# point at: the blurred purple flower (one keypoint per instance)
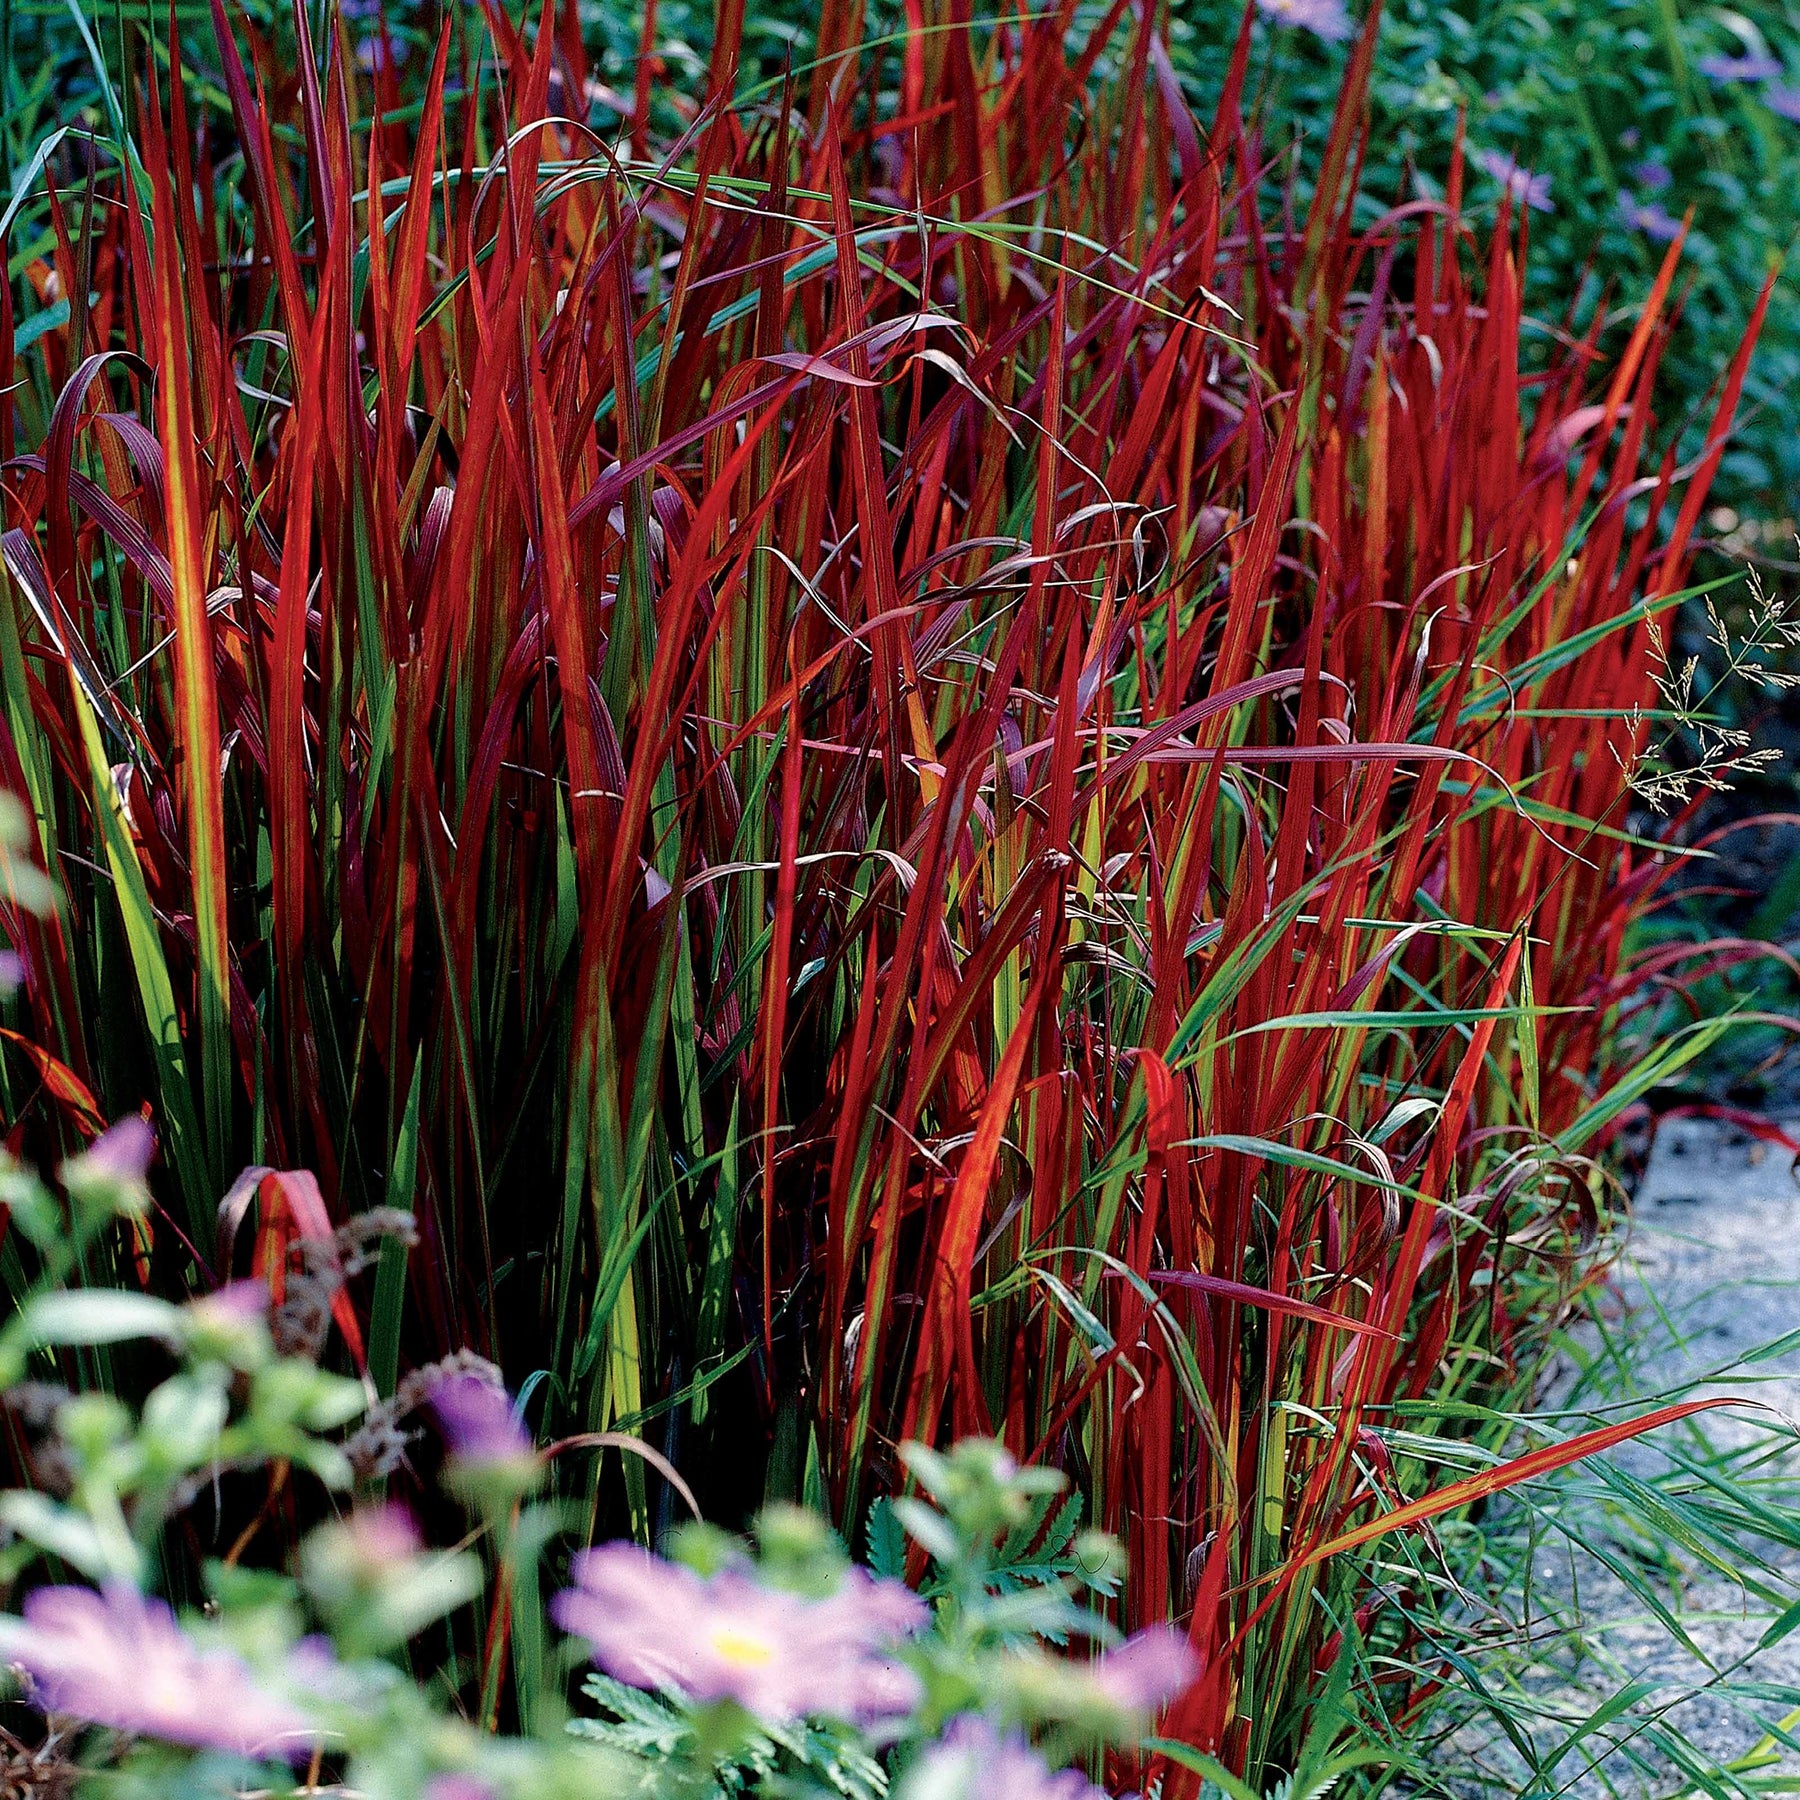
(383, 1536)
(12, 970)
(1739, 68)
(111, 1171)
(972, 1762)
(1651, 175)
(1325, 19)
(1649, 218)
(239, 1302)
(374, 53)
(458, 1787)
(1784, 102)
(480, 1425)
(1526, 188)
(118, 1659)
(120, 1153)
(1148, 1670)
(780, 1656)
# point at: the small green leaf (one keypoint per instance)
(886, 1541)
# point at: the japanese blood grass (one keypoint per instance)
(911, 767)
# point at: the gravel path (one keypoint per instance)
(1710, 1280)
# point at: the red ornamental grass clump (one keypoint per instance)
(927, 762)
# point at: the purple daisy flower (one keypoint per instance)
(1525, 188)
(1651, 175)
(118, 1659)
(971, 1761)
(1148, 1670)
(1739, 68)
(779, 1655)
(1325, 19)
(1784, 102)
(480, 1425)
(1649, 218)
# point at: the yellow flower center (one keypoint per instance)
(740, 1648)
(162, 1690)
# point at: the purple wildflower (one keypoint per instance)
(1148, 1670)
(12, 970)
(1649, 218)
(1651, 175)
(1784, 102)
(1525, 188)
(779, 1655)
(971, 1761)
(1325, 19)
(479, 1422)
(118, 1659)
(1739, 68)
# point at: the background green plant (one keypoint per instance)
(1587, 93)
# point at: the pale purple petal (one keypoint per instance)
(1327, 19)
(1148, 1670)
(120, 1660)
(866, 1607)
(1784, 102)
(1651, 175)
(240, 1302)
(973, 1762)
(779, 1655)
(1739, 68)
(458, 1787)
(382, 1536)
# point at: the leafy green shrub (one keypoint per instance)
(1630, 112)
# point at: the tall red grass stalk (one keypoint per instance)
(916, 768)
